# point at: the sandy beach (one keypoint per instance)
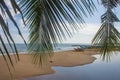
(25, 68)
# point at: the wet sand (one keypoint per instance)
(25, 68)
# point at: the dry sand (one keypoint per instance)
(25, 68)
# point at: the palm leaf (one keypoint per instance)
(111, 3)
(4, 57)
(12, 19)
(6, 51)
(4, 13)
(52, 21)
(8, 35)
(108, 38)
(16, 8)
(109, 15)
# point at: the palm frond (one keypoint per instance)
(6, 34)
(108, 37)
(4, 6)
(111, 3)
(4, 14)
(7, 63)
(109, 15)
(5, 29)
(16, 8)
(52, 21)
(6, 51)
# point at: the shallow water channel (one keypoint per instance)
(98, 70)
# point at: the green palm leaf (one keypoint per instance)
(111, 3)
(7, 63)
(4, 13)
(52, 21)
(109, 15)
(107, 37)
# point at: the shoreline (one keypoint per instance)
(25, 68)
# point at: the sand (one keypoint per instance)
(25, 68)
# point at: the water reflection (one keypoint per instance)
(97, 70)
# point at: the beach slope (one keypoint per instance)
(25, 68)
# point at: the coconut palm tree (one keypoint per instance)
(5, 32)
(108, 36)
(51, 21)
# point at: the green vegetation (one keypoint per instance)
(108, 37)
(51, 21)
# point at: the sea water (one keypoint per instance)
(58, 47)
(98, 70)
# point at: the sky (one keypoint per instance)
(83, 36)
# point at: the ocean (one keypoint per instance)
(59, 47)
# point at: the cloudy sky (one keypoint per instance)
(84, 35)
